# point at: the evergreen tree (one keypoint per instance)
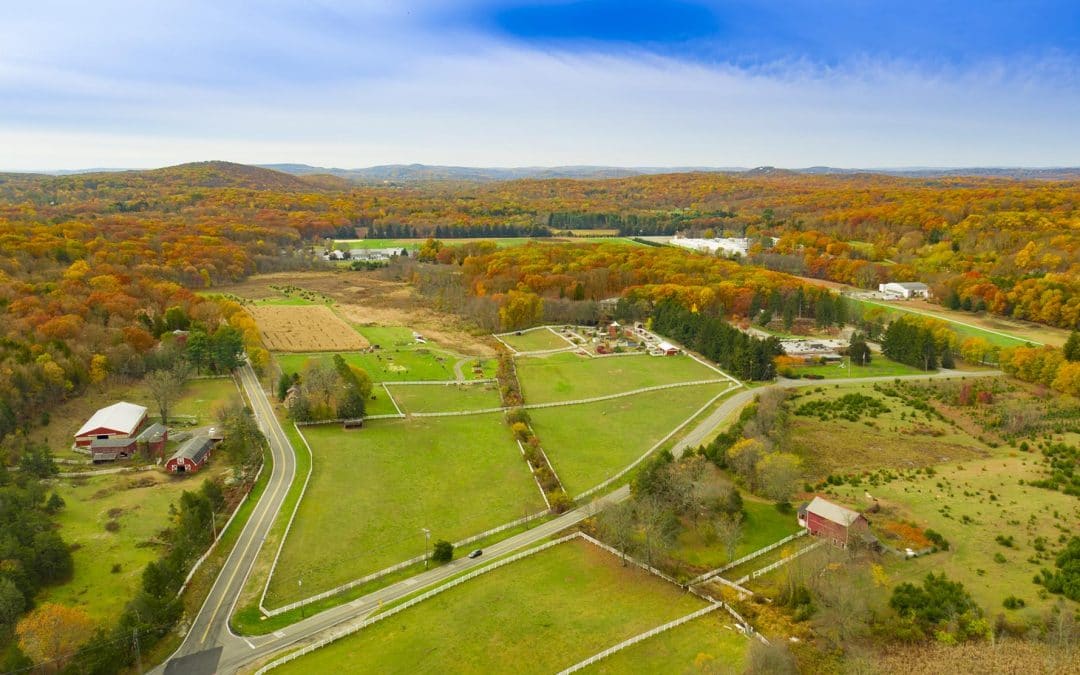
(1071, 350)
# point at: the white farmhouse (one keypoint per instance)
(905, 289)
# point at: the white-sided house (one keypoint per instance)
(905, 289)
(119, 420)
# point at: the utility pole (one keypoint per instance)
(427, 545)
(299, 588)
(213, 523)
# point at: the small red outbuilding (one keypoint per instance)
(837, 523)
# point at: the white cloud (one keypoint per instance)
(350, 87)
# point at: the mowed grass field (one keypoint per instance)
(879, 366)
(140, 503)
(902, 437)
(569, 377)
(537, 615)
(589, 442)
(450, 397)
(762, 525)
(372, 491)
(964, 327)
(535, 340)
(988, 493)
(384, 366)
(707, 644)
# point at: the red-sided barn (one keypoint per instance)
(191, 456)
(832, 521)
(119, 420)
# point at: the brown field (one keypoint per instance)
(365, 299)
(305, 328)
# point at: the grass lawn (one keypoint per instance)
(140, 503)
(202, 398)
(590, 442)
(568, 377)
(290, 301)
(535, 340)
(389, 337)
(705, 645)
(901, 437)
(541, 614)
(879, 366)
(762, 525)
(963, 327)
(373, 490)
(1023, 512)
(424, 398)
(385, 366)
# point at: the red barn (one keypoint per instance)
(119, 420)
(191, 456)
(825, 519)
(152, 439)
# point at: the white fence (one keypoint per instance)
(783, 561)
(349, 630)
(746, 558)
(639, 638)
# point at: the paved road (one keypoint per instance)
(210, 629)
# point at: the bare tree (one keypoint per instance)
(729, 531)
(166, 385)
(659, 525)
(617, 525)
(778, 472)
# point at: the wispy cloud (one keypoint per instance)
(352, 84)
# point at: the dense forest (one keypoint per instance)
(90, 264)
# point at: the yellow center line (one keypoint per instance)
(274, 432)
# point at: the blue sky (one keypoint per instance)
(495, 83)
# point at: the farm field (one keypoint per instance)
(965, 326)
(427, 398)
(535, 340)
(396, 366)
(501, 242)
(707, 644)
(569, 377)
(879, 366)
(897, 437)
(304, 328)
(139, 502)
(989, 495)
(542, 613)
(589, 442)
(372, 491)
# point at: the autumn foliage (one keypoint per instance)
(52, 633)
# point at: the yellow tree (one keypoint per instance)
(52, 633)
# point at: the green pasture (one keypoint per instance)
(541, 614)
(535, 340)
(373, 490)
(708, 644)
(589, 442)
(450, 397)
(879, 366)
(569, 377)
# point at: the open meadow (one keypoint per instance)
(373, 490)
(569, 377)
(304, 328)
(879, 366)
(109, 564)
(853, 428)
(973, 504)
(541, 614)
(589, 442)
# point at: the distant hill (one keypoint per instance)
(214, 174)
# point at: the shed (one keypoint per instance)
(119, 420)
(837, 523)
(905, 289)
(191, 456)
(667, 348)
(152, 439)
(355, 423)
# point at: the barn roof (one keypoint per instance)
(910, 285)
(111, 443)
(833, 512)
(122, 417)
(194, 448)
(152, 434)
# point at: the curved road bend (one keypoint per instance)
(230, 652)
(209, 630)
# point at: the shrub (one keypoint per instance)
(442, 552)
(116, 568)
(112, 526)
(1013, 602)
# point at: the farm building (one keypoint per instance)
(119, 420)
(905, 289)
(667, 349)
(111, 449)
(191, 456)
(825, 519)
(152, 439)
